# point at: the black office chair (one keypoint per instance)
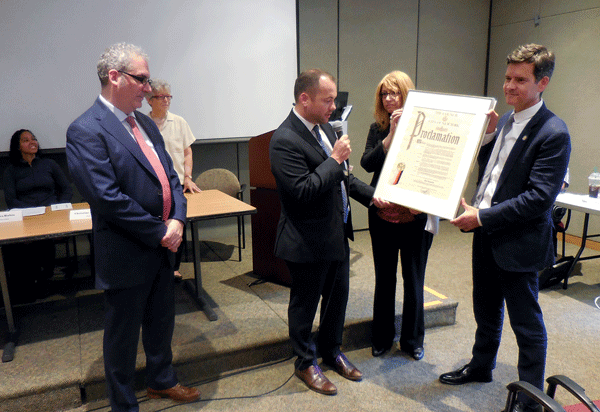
(70, 263)
(549, 404)
(558, 272)
(575, 390)
(547, 399)
(558, 213)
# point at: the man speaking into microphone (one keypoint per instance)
(310, 168)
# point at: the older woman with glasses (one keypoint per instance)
(178, 139)
(394, 230)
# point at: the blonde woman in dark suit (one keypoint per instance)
(394, 230)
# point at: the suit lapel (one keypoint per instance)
(109, 122)
(523, 141)
(307, 135)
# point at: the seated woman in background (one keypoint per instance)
(395, 229)
(178, 139)
(31, 181)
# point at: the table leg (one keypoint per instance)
(9, 349)
(196, 290)
(580, 251)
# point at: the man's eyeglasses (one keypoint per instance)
(162, 97)
(142, 79)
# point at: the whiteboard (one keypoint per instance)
(231, 63)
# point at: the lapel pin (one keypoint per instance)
(524, 137)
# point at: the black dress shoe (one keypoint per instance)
(375, 351)
(418, 353)
(465, 374)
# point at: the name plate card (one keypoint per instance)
(80, 214)
(11, 216)
(61, 206)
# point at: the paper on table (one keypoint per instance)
(31, 211)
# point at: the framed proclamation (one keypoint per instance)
(433, 151)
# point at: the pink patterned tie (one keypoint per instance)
(156, 165)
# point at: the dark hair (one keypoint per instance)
(308, 82)
(14, 154)
(541, 58)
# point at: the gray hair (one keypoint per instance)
(117, 57)
(158, 84)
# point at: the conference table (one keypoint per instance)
(208, 204)
(588, 206)
(49, 225)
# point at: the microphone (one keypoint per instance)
(338, 128)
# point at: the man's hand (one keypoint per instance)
(493, 121)
(341, 150)
(172, 239)
(468, 220)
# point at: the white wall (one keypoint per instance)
(439, 43)
(231, 64)
(572, 30)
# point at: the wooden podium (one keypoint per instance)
(263, 196)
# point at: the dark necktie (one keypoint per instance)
(485, 180)
(328, 151)
(156, 165)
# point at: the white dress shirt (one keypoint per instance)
(521, 119)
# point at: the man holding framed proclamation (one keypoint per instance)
(521, 170)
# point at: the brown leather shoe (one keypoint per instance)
(178, 393)
(315, 380)
(345, 368)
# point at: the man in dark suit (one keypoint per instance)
(311, 171)
(118, 161)
(520, 174)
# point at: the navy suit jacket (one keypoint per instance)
(518, 222)
(125, 196)
(311, 226)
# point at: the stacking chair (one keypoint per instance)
(226, 182)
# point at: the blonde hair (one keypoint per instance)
(395, 81)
